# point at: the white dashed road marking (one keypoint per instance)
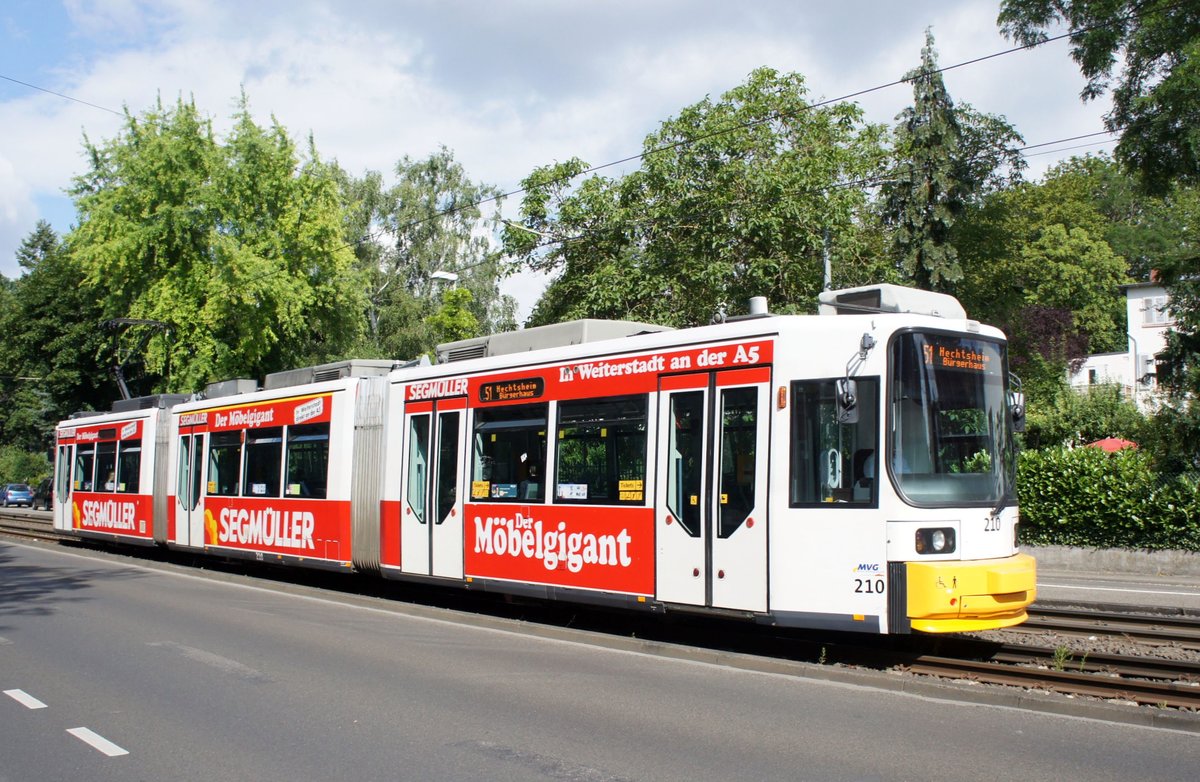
(25, 699)
(97, 741)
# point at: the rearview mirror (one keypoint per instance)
(847, 401)
(1016, 405)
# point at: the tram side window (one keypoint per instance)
(307, 460)
(833, 462)
(263, 455)
(129, 466)
(106, 467)
(509, 454)
(85, 462)
(224, 464)
(739, 453)
(602, 452)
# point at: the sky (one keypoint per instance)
(506, 85)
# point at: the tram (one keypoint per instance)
(852, 470)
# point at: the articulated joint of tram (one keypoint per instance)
(963, 596)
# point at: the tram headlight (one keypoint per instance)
(938, 540)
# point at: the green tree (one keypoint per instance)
(19, 466)
(237, 245)
(946, 156)
(734, 198)
(1179, 272)
(434, 220)
(1143, 229)
(1036, 264)
(454, 320)
(1156, 96)
(1156, 109)
(52, 344)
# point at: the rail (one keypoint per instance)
(1105, 685)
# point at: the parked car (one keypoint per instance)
(43, 495)
(17, 494)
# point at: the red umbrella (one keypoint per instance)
(1112, 444)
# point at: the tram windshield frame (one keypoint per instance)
(950, 437)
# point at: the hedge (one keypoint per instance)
(1088, 497)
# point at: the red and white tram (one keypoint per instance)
(851, 472)
(107, 469)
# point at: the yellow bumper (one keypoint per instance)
(981, 594)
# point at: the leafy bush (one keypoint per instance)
(1074, 417)
(1172, 434)
(1087, 497)
(19, 466)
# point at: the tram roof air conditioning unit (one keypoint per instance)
(240, 385)
(874, 299)
(574, 332)
(359, 367)
(161, 401)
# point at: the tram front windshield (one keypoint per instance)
(949, 438)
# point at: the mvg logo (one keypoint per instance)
(866, 569)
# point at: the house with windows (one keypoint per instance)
(1134, 370)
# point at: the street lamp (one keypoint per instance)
(449, 277)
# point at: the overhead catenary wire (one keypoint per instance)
(62, 95)
(773, 116)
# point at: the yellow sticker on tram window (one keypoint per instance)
(631, 496)
(724, 499)
(603, 431)
(480, 489)
(212, 487)
(693, 499)
(630, 485)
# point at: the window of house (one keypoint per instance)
(1154, 309)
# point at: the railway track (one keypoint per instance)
(27, 524)
(1141, 678)
(1107, 686)
(1180, 629)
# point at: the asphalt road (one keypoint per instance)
(1120, 589)
(149, 672)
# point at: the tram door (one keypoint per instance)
(431, 517)
(189, 489)
(64, 517)
(711, 492)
